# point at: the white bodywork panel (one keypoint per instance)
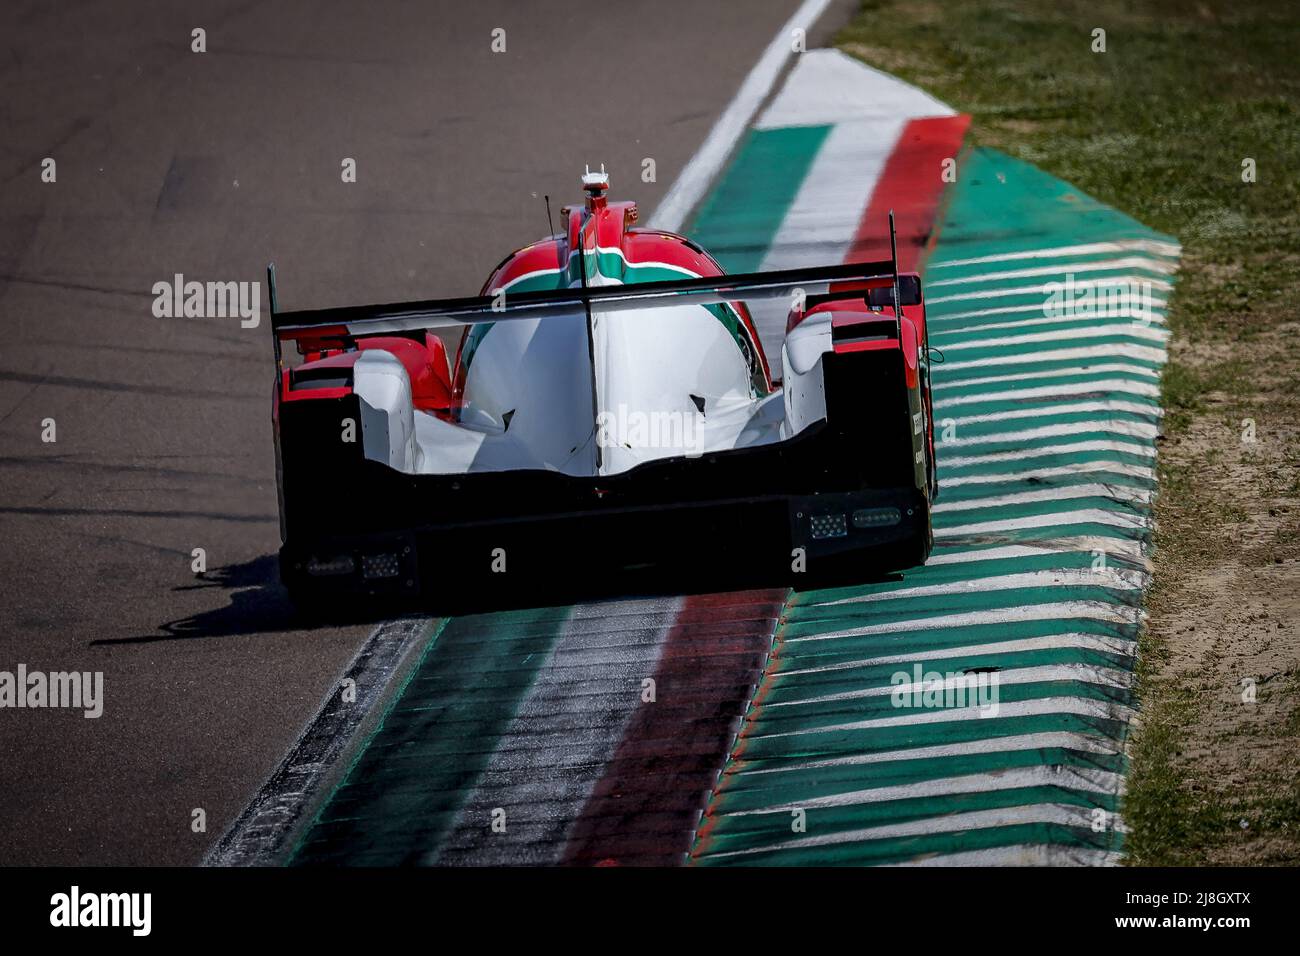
(668, 382)
(801, 357)
(387, 426)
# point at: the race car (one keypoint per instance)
(605, 401)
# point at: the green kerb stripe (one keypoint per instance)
(740, 217)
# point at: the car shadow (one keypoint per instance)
(258, 603)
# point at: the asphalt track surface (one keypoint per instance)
(210, 165)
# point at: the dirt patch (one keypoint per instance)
(1225, 607)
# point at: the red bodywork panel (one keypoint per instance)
(425, 364)
(850, 312)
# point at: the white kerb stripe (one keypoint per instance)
(824, 216)
(1102, 611)
(1136, 496)
(827, 87)
(1062, 269)
(1123, 647)
(940, 318)
(1043, 813)
(1077, 706)
(961, 334)
(1113, 519)
(1142, 353)
(1134, 328)
(1145, 472)
(1113, 426)
(1112, 406)
(988, 745)
(1101, 386)
(1075, 544)
(961, 683)
(1120, 578)
(1086, 249)
(1067, 448)
(1073, 778)
(1022, 854)
(1105, 283)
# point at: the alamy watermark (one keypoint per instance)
(1099, 299)
(632, 428)
(133, 911)
(179, 299)
(82, 690)
(932, 689)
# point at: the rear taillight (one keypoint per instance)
(876, 517)
(331, 567)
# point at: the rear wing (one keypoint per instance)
(877, 282)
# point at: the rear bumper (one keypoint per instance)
(491, 530)
(768, 538)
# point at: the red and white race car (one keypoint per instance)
(605, 399)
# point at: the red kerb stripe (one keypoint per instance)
(912, 185)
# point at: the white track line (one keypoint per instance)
(700, 172)
(261, 835)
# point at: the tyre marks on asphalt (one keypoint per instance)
(551, 754)
(409, 781)
(652, 789)
(260, 835)
(533, 737)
